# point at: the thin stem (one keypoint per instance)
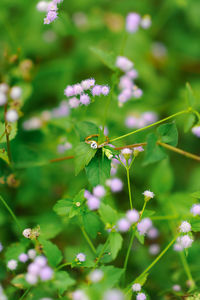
(129, 187)
(187, 269)
(155, 260)
(177, 150)
(11, 212)
(151, 125)
(25, 293)
(7, 134)
(88, 240)
(62, 266)
(2, 135)
(101, 253)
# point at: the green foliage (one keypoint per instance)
(92, 224)
(108, 59)
(52, 252)
(154, 152)
(98, 170)
(190, 95)
(115, 242)
(4, 156)
(168, 134)
(108, 214)
(83, 155)
(63, 281)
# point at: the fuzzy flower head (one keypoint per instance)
(69, 91)
(105, 90)
(144, 225)
(79, 295)
(154, 249)
(136, 287)
(3, 98)
(12, 264)
(113, 294)
(15, 92)
(195, 210)
(176, 288)
(185, 227)
(81, 257)
(137, 150)
(141, 296)
(123, 225)
(148, 195)
(96, 275)
(23, 257)
(132, 216)
(31, 253)
(74, 102)
(46, 273)
(27, 233)
(196, 131)
(96, 90)
(1, 247)
(153, 233)
(42, 6)
(145, 22)
(93, 203)
(124, 64)
(132, 22)
(116, 185)
(31, 278)
(126, 152)
(99, 191)
(186, 241)
(12, 115)
(85, 99)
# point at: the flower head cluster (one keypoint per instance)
(93, 199)
(126, 84)
(148, 195)
(115, 184)
(185, 240)
(136, 287)
(195, 210)
(134, 20)
(80, 93)
(12, 96)
(81, 257)
(140, 120)
(38, 270)
(144, 226)
(196, 130)
(50, 8)
(132, 216)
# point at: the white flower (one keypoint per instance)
(42, 6)
(79, 295)
(186, 241)
(141, 296)
(136, 287)
(132, 216)
(81, 257)
(176, 288)
(3, 98)
(31, 278)
(15, 92)
(195, 210)
(27, 233)
(185, 227)
(96, 275)
(31, 253)
(12, 264)
(148, 194)
(12, 115)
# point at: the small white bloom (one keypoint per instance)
(148, 194)
(176, 288)
(3, 98)
(31, 278)
(96, 275)
(141, 296)
(113, 294)
(27, 233)
(12, 264)
(186, 241)
(132, 216)
(42, 6)
(4, 88)
(15, 92)
(154, 249)
(12, 115)
(79, 295)
(185, 227)
(195, 210)
(81, 257)
(31, 253)
(136, 287)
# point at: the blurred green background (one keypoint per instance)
(47, 58)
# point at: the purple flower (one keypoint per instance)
(105, 90)
(132, 22)
(144, 225)
(123, 225)
(132, 216)
(1, 247)
(78, 89)
(31, 278)
(96, 90)
(93, 203)
(81, 257)
(153, 233)
(33, 269)
(85, 99)
(125, 82)
(124, 64)
(46, 273)
(196, 131)
(133, 74)
(74, 102)
(137, 93)
(41, 261)
(23, 257)
(51, 16)
(69, 91)
(154, 249)
(99, 191)
(116, 185)
(195, 210)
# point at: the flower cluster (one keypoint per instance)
(81, 257)
(11, 96)
(132, 216)
(23, 257)
(115, 184)
(38, 270)
(126, 84)
(136, 287)
(195, 210)
(141, 120)
(134, 20)
(185, 240)
(50, 8)
(93, 199)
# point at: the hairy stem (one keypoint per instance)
(88, 240)
(151, 125)
(101, 253)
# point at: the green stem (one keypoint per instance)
(155, 261)
(88, 240)
(101, 253)
(11, 212)
(187, 269)
(7, 134)
(124, 40)
(25, 293)
(129, 187)
(151, 125)
(62, 266)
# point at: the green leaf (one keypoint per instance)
(92, 224)
(4, 156)
(14, 250)
(148, 213)
(63, 207)
(112, 276)
(85, 129)
(62, 281)
(190, 95)
(98, 170)
(189, 122)
(20, 282)
(142, 279)
(196, 195)
(168, 134)
(140, 237)
(115, 242)
(12, 134)
(108, 214)
(195, 225)
(106, 58)
(83, 155)
(52, 252)
(162, 178)
(153, 151)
